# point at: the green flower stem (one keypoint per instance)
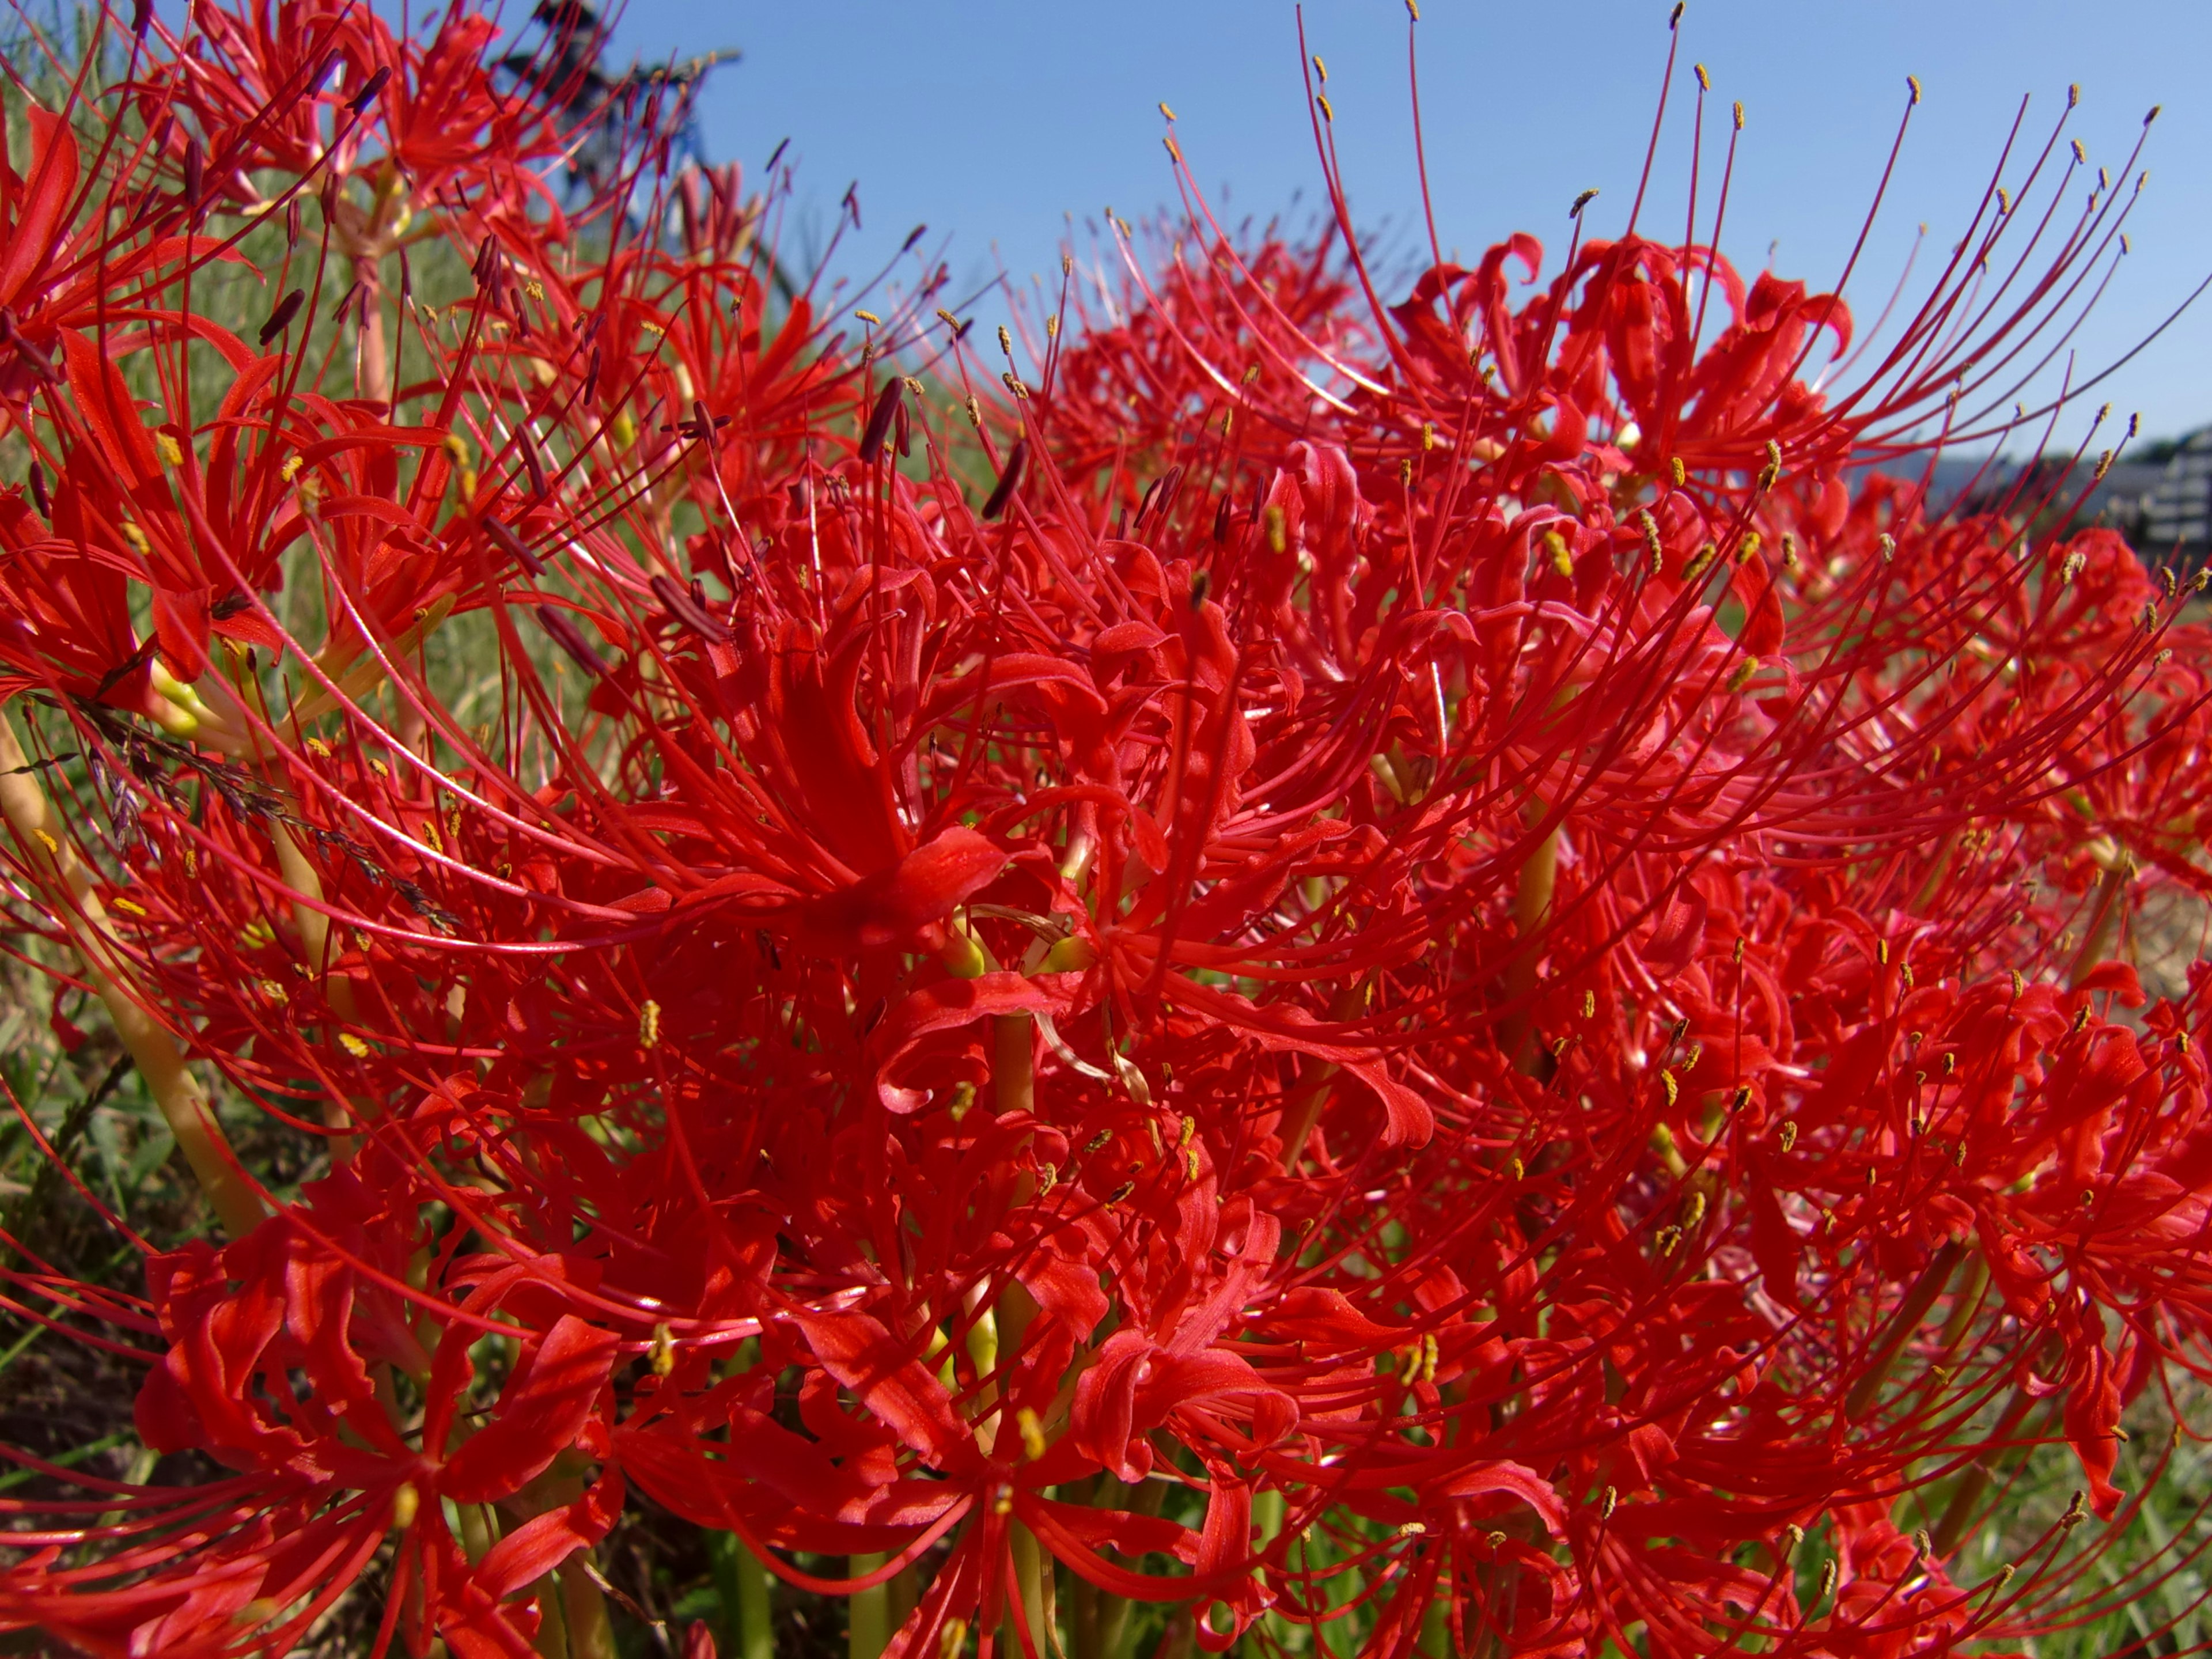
(584, 1610)
(1013, 1067)
(47, 852)
(868, 1625)
(1532, 905)
(745, 1590)
(1963, 1513)
(1906, 1320)
(1031, 1584)
(2105, 912)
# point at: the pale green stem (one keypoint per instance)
(1967, 1302)
(746, 1592)
(1028, 1585)
(591, 1632)
(1302, 1112)
(1902, 1324)
(1964, 1510)
(1013, 1067)
(183, 1101)
(2104, 920)
(1268, 1509)
(868, 1625)
(1532, 905)
(756, 1607)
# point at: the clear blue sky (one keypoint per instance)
(990, 119)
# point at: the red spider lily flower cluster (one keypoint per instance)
(1419, 976)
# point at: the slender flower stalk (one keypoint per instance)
(45, 845)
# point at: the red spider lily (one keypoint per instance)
(1425, 993)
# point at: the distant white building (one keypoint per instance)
(2180, 512)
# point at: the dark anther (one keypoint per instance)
(888, 403)
(360, 101)
(687, 609)
(531, 462)
(564, 633)
(1012, 476)
(281, 319)
(513, 546)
